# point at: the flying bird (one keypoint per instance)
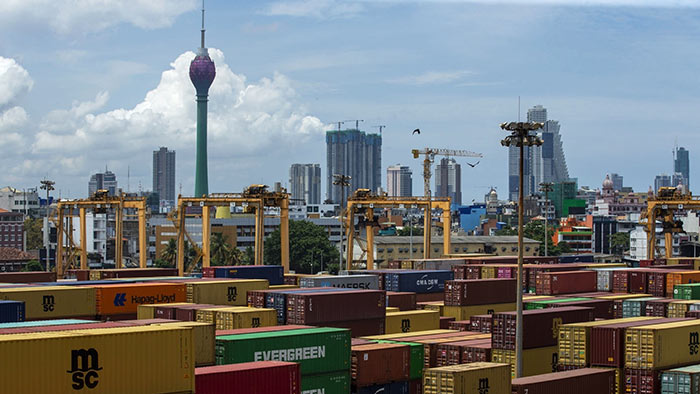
(416, 131)
(473, 165)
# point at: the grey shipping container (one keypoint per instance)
(367, 282)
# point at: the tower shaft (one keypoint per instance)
(201, 178)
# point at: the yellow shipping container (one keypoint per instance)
(574, 339)
(488, 272)
(245, 317)
(411, 321)
(204, 341)
(148, 311)
(466, 312)
(533, 297)
(622, 296)
(406, 265)
(209, 315)
(491, 378)
(53, 302)
(408, 334)
(283, 287)
(434, 306)
(224, 292)
(536, 361)
(678, 308)
(135, 360)
(392, 309)
(663, 345)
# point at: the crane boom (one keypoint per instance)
(444, 152)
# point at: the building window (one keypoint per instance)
(390, 250)
(503, 249)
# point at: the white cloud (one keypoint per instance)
(597, 3)
(432, 77)
(65, 16)
(321, 9)
(14, 81)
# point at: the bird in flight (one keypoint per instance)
(473, 165)
(416, 131)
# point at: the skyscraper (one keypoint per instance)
(662, 180)
(202, 73)
(617, 181)
(681, 164)
(545, 163)
(399, 181)
(448, 180)
(164, 173)
(357, 154)
(305, 182)
(103, 181)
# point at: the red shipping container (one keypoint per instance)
(566, 282)
(577, 381)
(637, 282)
(602, 309)
(189, 312)
(331, 306)
(656, 282)
(642, 381)
(360, 341)
(361, 327)
(256, 298)
(415, 386)
(451, 353)
(459, 271)
(507, 272)
(476, 352)
(608, 341)
(620, 280)
(445, 322)
(540, 326)
(658, 308)
(403, 300)
(460, 325)
(693, 314)
(472, 272)
(27, 277)
(480, 292)
(380, 363)
(430, 297)
(79, 275)
(481, 323)
(137, 272)
(262, 377)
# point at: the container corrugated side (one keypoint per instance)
(244, 317)
(225, 292)
(150, 359)
(11, 311)
(402, 336)
(318, 350)
(681, 380)
(379, 363)
(204, 341)
(326, 383)
(491, 378)
(53, 302)
(125, 298)
(466, 312)
(578, 381)
(411, 321)
(416, 354)
(261, 377)
(678, 308)
(535, 361)
(647, 347)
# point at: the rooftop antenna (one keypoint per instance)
(518, 104)
(203, 24)
(381, 127)
(128, 179)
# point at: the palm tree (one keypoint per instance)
(220, 249)
(169, 254)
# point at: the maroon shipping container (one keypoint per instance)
(577, 381)
(480, 292)
(620, 280)
(445, 322)
(361, 327)
(459, 271)
(137, 272)
(380, 363)
(27, 277)
(164, 312)
(460, 325)
(602, 309)
(403, 300)
(331, 306)
(430, 297)
(451, 353)
(693, 314)
(476, 352)
(80, 275)
(360, 341)
(656, 282)
(415, 386)
(481, 323)
(608, 341)
(262, 377)
(637, 282)
(617, 309)
(143, 322)
(565, 282)
(642, 381)
(658, 308)
(256, 298)
(540, 326)
(189, 312)
(472, 272)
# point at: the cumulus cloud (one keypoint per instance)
(66, 16)
(14, 80)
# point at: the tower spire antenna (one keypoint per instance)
(203, 24)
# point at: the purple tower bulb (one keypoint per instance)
(202, 73)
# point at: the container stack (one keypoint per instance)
(466, 298)
(273, 273)
(492, 378)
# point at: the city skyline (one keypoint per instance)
(78, 95)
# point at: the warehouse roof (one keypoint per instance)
(437, 239)
(13, 254)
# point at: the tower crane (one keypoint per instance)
(430, 154)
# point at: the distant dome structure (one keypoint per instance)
(681, 187)
(493, 196)
(607, 183)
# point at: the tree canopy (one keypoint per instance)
(535, 230)
(310, 250)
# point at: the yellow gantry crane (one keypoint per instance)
(667, 201)
(428, 158)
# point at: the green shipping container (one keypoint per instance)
(317, 350)
(688, 291)
(543, 304)
(417, 357)
(328, 383)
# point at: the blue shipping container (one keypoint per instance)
(42, 323)
(11, 311)
(577, 258)
(389, 388)
(418, 281)
(273, 273)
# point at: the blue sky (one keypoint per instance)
(89, 86)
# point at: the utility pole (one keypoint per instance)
(48, 186)
(520, 136)
(546, 187)
(343, 181)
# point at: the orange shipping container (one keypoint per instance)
(678, 278)
(125, 299)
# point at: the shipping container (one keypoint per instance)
(164, 311)
(453, 353)
(27, 277)
(11, 311)
(411, 321)
(240, 331)
(42, 323)
(658, 308)
(416, 353)
(656, 282)
(427, 297)
(566, 282)
(634, 307)
(225, 292)
(132, 273)
(386, 388)
(318, 350)
(417, 281)
(204, 338)
(620, 281)
(578, 381)
(379, 363)
(480, 292)
(689, 291)
(273, 273)
(430, 345)
(491, 378)
(188, 312)
(262, 377)
(684, 380)
(604, 278)
(682, 277)
(649, 347)
(637, 282)
(481, 323)
(148, 311)
(404, 335)
(53, 302)
(642, 381)
(366, 282)
(361, 327)
(536, 361)
(540, 327)
(462, 325)
(445, 322)
(150, 359)
(678, 308)
(323, 307)
(602, 309)
(466, 312)
(327, 383)
(392, 309)
(125, 298)
(244, 317)
(405, 301)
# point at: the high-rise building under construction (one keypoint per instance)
(354, 153)
(305, 183)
